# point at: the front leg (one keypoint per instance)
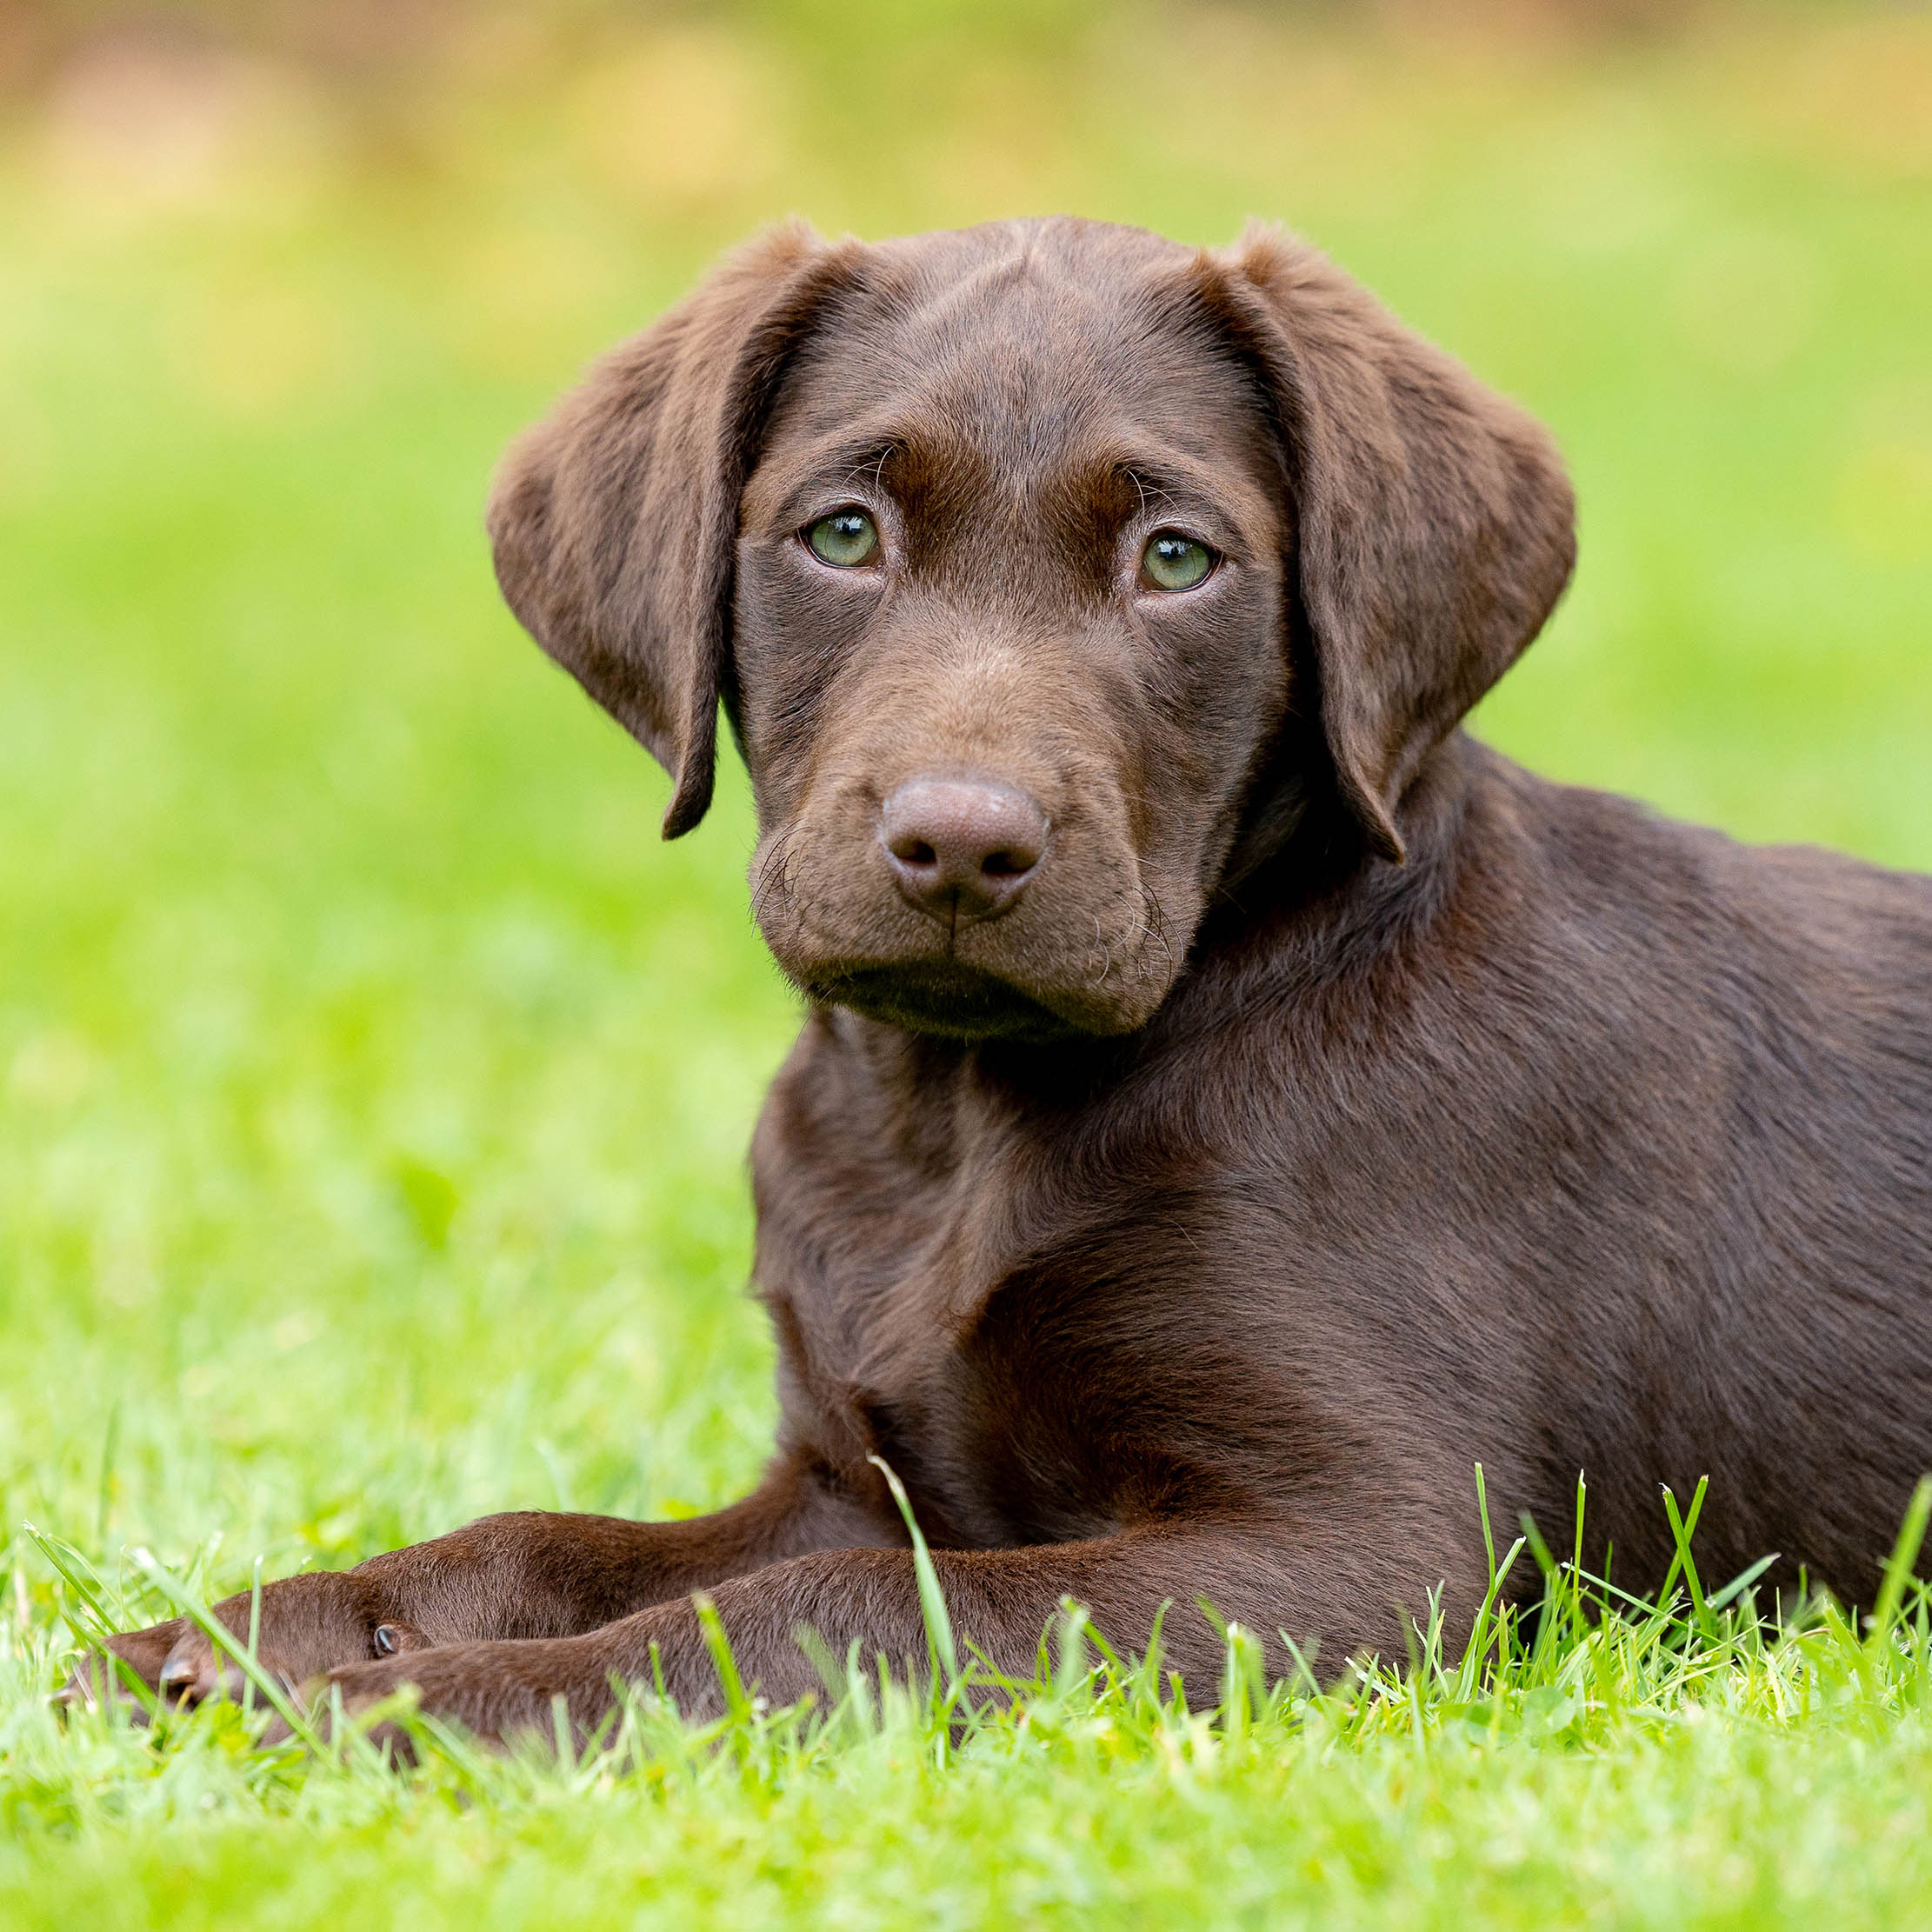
(1347, 1596)
(523, 1575)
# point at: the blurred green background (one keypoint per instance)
(373, 1084)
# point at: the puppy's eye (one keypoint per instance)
(1172, 562)
(847, 538)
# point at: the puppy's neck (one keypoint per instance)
(1308, 915)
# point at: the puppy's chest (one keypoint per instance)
(996, 1341)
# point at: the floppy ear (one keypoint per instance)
(1435, 524)
(615, 520)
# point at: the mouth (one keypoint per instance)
(941, 996)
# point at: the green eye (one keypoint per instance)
(1172, 562)
(846, 538)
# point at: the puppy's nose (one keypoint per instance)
(962, 848)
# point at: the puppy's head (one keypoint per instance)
(1011, 554)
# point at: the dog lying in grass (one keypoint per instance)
(1232, 1102)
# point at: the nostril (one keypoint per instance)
(961, 847)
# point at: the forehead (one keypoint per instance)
(1021, 353)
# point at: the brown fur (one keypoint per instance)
(1338, 1105)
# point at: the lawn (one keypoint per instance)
(374, 1085)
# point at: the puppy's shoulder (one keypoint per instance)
(1797, 916)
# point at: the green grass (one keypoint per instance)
(1614, 1763)
(374, 1085)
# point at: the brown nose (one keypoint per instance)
(962, 848)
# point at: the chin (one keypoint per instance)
(951, 1000)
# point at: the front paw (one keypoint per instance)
(498, 1692)
(305, 1625)
(127, 1672)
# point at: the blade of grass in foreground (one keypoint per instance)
(932, 1598)
(1683, 1529)
(737, 1702)
(1899, 1565)
(77, 1574)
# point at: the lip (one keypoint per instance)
(943, 997)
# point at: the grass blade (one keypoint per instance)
(737, 1704)
(1683, 1527)
(1742, 1582)
(932, 1598)
(1899, 1565)
(77, 1574)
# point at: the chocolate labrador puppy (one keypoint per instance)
(1232, 1102)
